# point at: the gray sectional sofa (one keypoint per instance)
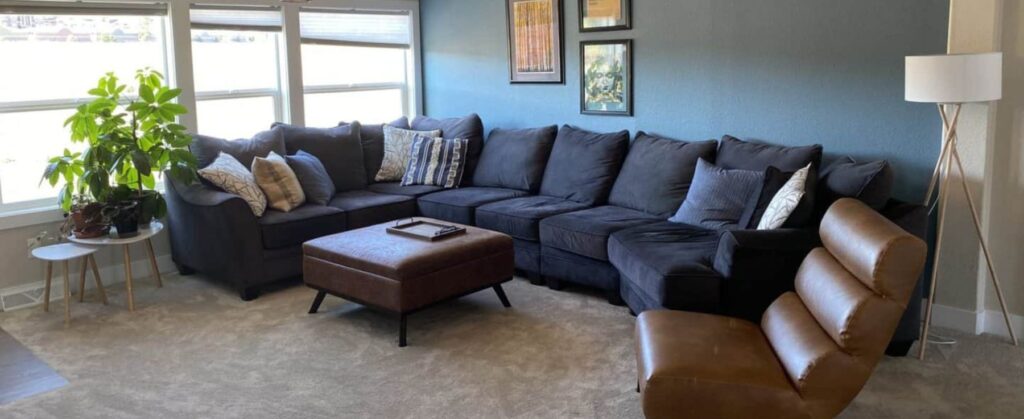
(583, 208)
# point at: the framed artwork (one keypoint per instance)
(606, 77)
(535, 41)
(605, 15)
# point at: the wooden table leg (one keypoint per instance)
(67, 294)
(96, 276)
(46, 290)
(152, 264)
(128, 278)
(81, 278)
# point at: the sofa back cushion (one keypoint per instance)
(339, 149)
(718, 197)
(515, 158)
(207, 149)
(658, 172)
(734, 153)
(584, 164)
(469, 127)
(868, 182)
(372, 138)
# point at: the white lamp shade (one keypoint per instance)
(955, 78)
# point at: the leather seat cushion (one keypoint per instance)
(710, 366)
(396, 188)
(520, 217)
(286, 229)
(365, 208)
(670, 262)
(459, 205)
(586, 232)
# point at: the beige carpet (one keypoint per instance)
(193, 349)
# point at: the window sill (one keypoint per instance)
(30, 217)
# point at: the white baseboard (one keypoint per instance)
(975, 322)
(30, 294)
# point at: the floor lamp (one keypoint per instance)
(950, 81)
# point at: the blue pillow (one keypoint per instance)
(718, 197)
(313, 177)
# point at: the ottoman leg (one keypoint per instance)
(317, 301)
(501, 296)
(401, 330)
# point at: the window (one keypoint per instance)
(355, 66)
(236, 64)
(54, 53)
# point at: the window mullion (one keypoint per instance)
(181, 61)
(291, 68)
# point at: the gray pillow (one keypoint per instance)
(718, 197)
(372, 137)
(206, 149)
(339, 149)
(658, 172)
(584, 164)
(313, 177)
(515, 158)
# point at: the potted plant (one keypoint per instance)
(130, 136)
(86, 219)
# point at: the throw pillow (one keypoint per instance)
(339, 149)
(436, 162)
(228, 174)
(717, 196)
(373, 143)
(397, 143)
(278, 182)
(515, 158)
(313, 177)
(869, 182)
(207, 149)
(469, 127)
(785, 201)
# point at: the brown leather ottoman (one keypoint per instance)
(403, 275)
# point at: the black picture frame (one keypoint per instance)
(627, 82)
(627, 17)
(557, 76)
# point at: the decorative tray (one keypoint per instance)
(425, 230)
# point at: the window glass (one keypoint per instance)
(235, 118)
(343, 65)
(234, 60)
(369, 107)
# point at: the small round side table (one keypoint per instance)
(145, 234)
(65, 252)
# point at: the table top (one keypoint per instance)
(62, 251)
(111, 239)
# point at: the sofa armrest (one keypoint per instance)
(759, 265)
(213, 232)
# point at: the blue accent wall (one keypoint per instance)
(781, 71)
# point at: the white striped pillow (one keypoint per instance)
(436, 162)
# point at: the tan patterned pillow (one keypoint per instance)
(228, 174)
(785, 201)
(278, 182)
(397, 147)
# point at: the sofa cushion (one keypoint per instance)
(338, 148)
(657, 173)
(671, 263)
(287, 229)
(584, 164)
(520, 217)
(719, 197)
(870, 182)
(586, 232)
(459, 205)
(469, 127)
(734, 153)
(372, 139)
(396, 188)
(365, 208)
(515, 159)
(206, 149)
(313, 177)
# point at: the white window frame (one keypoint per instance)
(289, 96)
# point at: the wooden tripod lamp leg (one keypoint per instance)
(944, 200)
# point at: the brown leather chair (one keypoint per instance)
(814, 349)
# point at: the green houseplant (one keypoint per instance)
(128, 139)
